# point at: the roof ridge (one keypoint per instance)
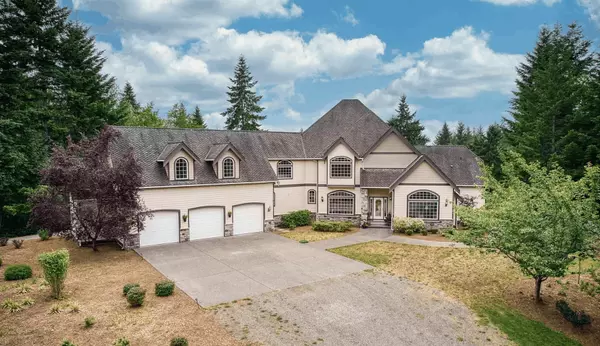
(203, 130)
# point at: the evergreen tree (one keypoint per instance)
(404, 122)
(129, 96)
(145, 117)
(444, 137)
(178, 117)
(462, 136)
(196, 119)
(244, 111)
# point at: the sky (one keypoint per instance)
(454, 59)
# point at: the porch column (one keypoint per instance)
(364, 204)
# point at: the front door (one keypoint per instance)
(377, 208)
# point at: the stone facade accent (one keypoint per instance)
(229, 230)
(269, 225)
(355, 219)
(184, 235)
(277, 220)
(439, 224)
(364, 204)
(131, 242)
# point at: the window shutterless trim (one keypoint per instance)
(187, 168)
(228, 158)
(437, 199)
(285, 164)
(314, 200)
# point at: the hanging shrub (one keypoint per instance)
(55, 265)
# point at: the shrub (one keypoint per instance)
(55, 308)
(403, 224)
(127, 287)
(3, 241)
(11, 305)
(303, 241)
(89, 322)
(179, 342)
(17, 243)
(424, 232)
(164, 288)
(17, 272)
(296, 219)
(23, 288)
(44, 234)
(27, 301)
(55, 265)
(332, 226)
(121, 342)
(408, 232)
(67, 343)
(577, 318)
(136, 296)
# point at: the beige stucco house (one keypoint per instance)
(349, 165)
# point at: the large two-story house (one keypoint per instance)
(349, 165)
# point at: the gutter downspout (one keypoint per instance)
(317, 187)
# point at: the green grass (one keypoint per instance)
(351, 251)
(523, 331)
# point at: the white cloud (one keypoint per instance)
(521, 2)
(592, 7)
(214, 120)
(461, 65)
(348, 16)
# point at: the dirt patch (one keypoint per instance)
(307, 233)
(94, 284)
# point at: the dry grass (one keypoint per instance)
(94, 285)
(480, 280)
(430, 237)
(306, 233)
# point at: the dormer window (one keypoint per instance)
(228, 168)
(181, 169)
(341, 167)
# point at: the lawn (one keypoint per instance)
(94, 285)
(430, 237)
(490, 284)
(307, 233)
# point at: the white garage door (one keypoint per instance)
(162, 228)
(248, 218)
(207, 223)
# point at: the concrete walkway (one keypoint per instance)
(378, 234)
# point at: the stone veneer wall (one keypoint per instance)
(131, 242)
(364, 204)
(269, 225)
(439, 224)
(184, 235)
(355, 219)
(229, 230)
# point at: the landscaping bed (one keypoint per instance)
(490, 284)
(94, 288)
(307, 233)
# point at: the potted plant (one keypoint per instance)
(184, 217)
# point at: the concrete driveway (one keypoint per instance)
(220, 270)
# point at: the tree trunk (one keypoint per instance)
(94, 244)
(538, 288)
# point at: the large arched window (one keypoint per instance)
(228, 168)
(340, 203)
(181, 169)
(424, 205)
(312, 197)
(340, 167)
(284, 169)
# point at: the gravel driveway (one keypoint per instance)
(368, 308)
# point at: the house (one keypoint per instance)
(349, 165)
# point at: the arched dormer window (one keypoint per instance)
(312, 197)
(228, 168)
(340, 167)
(424, 204)
(284, 169)
(181, 169)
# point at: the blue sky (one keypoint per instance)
(455, 60)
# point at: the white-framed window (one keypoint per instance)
(340, 167)
(424, 205)
(312, 197)
(284, 169)
(228, 168)
(340, 203)
(181, 169)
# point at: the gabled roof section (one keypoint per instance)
(457, 161)
(173, 148)
(416, 163)
(217, 149)
(336, 143)
(349, 119)
(379, 177)
(390, 131)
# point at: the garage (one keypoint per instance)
(206, 222)
(248, 218)
(161, 228)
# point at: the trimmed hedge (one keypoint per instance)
(164, 288)
(17, 272)
(296, 219)
(136, 296)
(577, 318)
(404, 224)
(332, 226)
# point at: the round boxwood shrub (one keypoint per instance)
(17, 272)
(127, 287)
(136, 296)
(164, 288)
(179, 342)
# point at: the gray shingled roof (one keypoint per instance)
(215, 150)
(167, 151)
(379, 177)
(458, 162)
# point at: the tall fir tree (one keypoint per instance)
(444, 137)
(244, 112)
(196, 119)
(406, 123)
(129, 96)
(462, 135)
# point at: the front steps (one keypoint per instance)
(377, 224)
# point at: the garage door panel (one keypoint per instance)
(248, 218)
(207, 222)
(161, 228)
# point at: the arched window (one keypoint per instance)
(340, 203)
(424, 205)
(340, 167)
(181, 169)
(228, 168)
(312, 197)
(284, 169)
